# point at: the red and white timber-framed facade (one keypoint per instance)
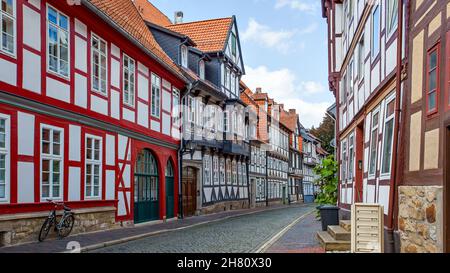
(364, 56)
(76, 89)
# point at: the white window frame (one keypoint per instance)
(344, 165)
(105, 55)
(156, 96)
(226, 121)
(376, 8)
(216, 173)
(184, 56)
(7, 153)
(390, 28)
(176, 113)
(93, 162)
(372, 130)
(351, 158)
(131, 76)
(387, 175)
(51, 157)
(13, 18)
(201, 69)
(59, 13)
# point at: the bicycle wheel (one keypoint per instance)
(66, 226)
(45, 229)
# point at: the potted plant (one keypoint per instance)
(327, 195)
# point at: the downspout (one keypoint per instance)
(398, 111)
(181, 153)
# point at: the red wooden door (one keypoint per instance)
(359, 163)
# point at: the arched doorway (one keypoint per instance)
(146, 189)
(170, 191)
(189, 185)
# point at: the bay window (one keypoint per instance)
(57, 42)
(128, 81)
(8, 22)
(99, 64)
(93, 166)
(52, 143)
(184, 56)
(156, 96)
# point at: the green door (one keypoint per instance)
(170, 191)
(146, 189)
(284, 196)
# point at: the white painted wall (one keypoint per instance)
(31, 78)
(32, 31)
(25, 130)
(80, 90)
(74, 143)
(25, 182)
(58, 90)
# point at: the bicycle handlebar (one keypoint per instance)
(60, 204)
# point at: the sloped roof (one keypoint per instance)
(125, 15)
(151, 14)
(209, 35)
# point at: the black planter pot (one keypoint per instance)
(329, 216)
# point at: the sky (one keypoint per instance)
(284, 46)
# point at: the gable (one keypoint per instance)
(233, 47)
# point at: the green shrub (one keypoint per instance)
(327, 181)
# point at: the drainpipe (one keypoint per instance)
(181, 153)
(398, 111)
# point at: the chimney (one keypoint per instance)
(292, 112)
(178, 17)
(258, 90)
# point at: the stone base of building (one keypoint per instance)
(420, 219)
(225, 206)
(275, 202)
(24, 228)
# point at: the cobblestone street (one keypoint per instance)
(240, 234)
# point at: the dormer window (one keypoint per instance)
(184, 56)
(201, 69)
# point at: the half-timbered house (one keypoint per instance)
(86, 96)
(366, 50)
(215, 144)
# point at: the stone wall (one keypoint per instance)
(24, 228)
(224, 206)
(420, 219)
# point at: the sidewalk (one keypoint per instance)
(301, 238)
(101, 239)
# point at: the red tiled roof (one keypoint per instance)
(209, 35)
(151, 13)
(127, 17)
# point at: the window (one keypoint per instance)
(51, 162)
(176, 108)
(8, 21)
(226, 124)
(228, 166)
(128, 81)
(216, 170)
(375, 31)
(222, 171)
(344, 161)
(4, 159)
(433, 80)
(361, 58)
(351, 158)
(156, 96)
(233, 44)
(201, 69)
(57, 42)
(388, 137)
(93, 166)
(207, 170)
(184, 56)
(373, 144)
(99, 64)
(233, 84)
(392, 16)
(234, 170)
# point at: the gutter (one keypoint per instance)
(398, 112)
(116, 27)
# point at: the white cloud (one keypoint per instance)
(265, 36)
(301, 5)
(283, 86)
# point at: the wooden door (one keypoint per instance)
(170, 191)
(189, 191)
(447, 193)
(146, 189)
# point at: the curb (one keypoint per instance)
(276, 237)
(149, 234)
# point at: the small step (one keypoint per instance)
(339, 233)
(346, 224)
(331, 244)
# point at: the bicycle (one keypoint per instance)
(63, 227)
